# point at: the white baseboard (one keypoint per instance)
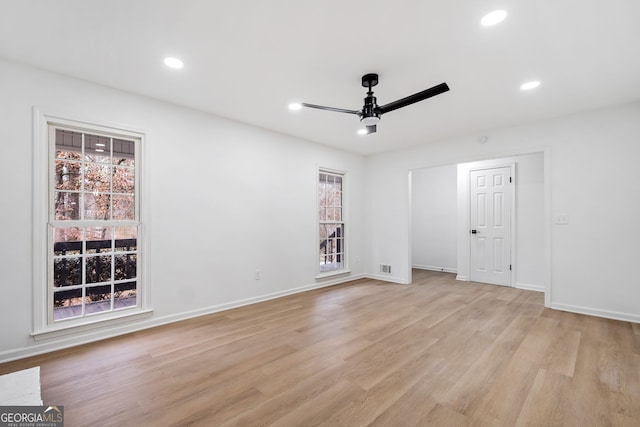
(387, 278)
(625, 317)
(86, 337)
(434, 268)
(462, 278)
(528, 287)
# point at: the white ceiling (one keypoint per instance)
(248, 59)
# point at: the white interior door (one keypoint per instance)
(490, 223)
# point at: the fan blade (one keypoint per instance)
(337, 110)
(371, 129)
(412, 99)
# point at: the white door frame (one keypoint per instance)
(511, 164)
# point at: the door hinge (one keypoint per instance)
(510, 179)
(509, 267)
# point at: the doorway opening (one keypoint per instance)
(441, 237)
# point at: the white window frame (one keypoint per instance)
(345, 221)
(43, 324)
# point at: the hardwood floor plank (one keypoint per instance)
(408, 411)
(458, 358)
(503, 401)
(303, 391)
(488, 366)
(415, 403)
(371, 365)
(376, 400)
(287, 374)
(313, 412)
(563, 352)
(443, 416)
(546, 402)
(589, 400)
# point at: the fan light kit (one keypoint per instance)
(530, 85)
(173, 63)
(493, 18)
(371, 112)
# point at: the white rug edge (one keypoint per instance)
(21, 388)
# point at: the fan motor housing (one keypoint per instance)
(370, 108)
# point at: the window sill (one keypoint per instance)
(332, 274)
(63, 328)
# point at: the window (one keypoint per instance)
(93, 223)
(331, 222)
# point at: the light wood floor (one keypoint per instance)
(435, 353)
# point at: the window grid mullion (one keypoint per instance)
(84, 269)
(111, 175)
(83, 168)
(113, 257)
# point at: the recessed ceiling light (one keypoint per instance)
(295, 106)
(530, 85)
(362, 131)
(493, 18)
(173, 63)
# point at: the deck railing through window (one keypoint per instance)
(331, 251)
(68, 270)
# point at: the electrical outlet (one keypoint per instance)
(562, 219)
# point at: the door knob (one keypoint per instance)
(474, 231)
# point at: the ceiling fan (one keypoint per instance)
(371, 111)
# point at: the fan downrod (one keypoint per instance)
(369, 80)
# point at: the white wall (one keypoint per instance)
(433, 218)
(222, 199)
(591, 168)
(528, 244)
